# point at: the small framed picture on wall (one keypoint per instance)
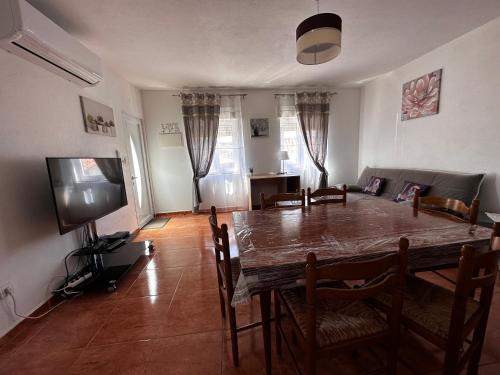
(259, 127)
(98, 118)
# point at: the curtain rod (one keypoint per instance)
(293, 94)
(242, 95)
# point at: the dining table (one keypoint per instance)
(273, 243)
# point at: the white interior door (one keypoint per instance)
(138, 169)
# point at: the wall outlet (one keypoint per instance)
(3, 290)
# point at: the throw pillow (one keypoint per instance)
(408, 191)
(374, 186)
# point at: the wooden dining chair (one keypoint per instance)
(446, 318)
(329, 315)
(327, 195)
(228, 270)
(452, 208)
(283, 200)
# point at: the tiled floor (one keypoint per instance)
(165, 319)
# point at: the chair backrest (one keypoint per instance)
(220, 239)
(449, 207)
(291, 200)
(327, 195)
(475, 271)
(382, 274)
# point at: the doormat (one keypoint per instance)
(157, 223)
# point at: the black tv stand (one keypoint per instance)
(108, 267)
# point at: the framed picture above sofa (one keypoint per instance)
(421, 96)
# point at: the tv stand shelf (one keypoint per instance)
(101, 248)
(108, 267)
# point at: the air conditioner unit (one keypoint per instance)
(27, 33)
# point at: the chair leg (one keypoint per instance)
(392, 358)
(394, 320)
(277, 317)
(451, 360)
(222, 304)
(310, 363)
(234, 336)
(473, 366)
(478, 340)
(295, 340)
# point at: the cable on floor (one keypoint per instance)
(31, 317)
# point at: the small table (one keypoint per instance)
(273, 244)
(270, 184)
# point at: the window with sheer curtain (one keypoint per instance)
(225, 184)
(299, 162)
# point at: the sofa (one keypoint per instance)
(462, 186)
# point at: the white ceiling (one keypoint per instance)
(251, 43)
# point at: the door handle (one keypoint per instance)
(134, 178)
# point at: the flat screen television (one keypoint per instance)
(85, 189)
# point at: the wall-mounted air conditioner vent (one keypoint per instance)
(26, 32)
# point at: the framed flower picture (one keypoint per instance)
(421, 96)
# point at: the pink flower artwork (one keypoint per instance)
(421, 96)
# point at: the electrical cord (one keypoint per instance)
(84, 240)
(31, 317)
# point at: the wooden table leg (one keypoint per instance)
(265, 311)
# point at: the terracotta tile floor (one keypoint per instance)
(165, 319)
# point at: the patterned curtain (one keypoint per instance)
(313, 110)
(226, 184)
(201, 123)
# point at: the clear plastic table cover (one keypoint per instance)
(273, 244)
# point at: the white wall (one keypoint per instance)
(40, 116)
(171, 168)
(464, 136)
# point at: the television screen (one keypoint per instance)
(85, 189)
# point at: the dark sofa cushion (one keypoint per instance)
(456, 185)
(408, 191)
(375, 186)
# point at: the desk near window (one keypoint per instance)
(270, 184)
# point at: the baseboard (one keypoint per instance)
(20, 325)
(134, 233)
(226, 209)
(173, 213)
(203, 211)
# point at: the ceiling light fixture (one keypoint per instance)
(319, 38)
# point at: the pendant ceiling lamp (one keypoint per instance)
(319, 38)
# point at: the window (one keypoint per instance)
(86, 170)
(292, 141)
(228, 151)
(225, 184)
(299, 162)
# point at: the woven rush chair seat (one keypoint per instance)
(337, 320)
(429, 305)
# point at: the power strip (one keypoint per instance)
(79, 280)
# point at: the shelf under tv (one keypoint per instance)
(108, 267)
